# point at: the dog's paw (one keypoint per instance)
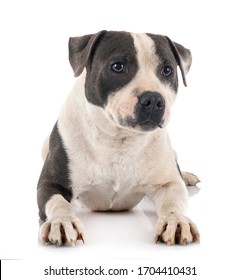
(65, 230)
(176, 229)
(190, 179)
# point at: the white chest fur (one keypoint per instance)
(108, 174)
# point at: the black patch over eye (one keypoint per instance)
(167, 71)
(119, 67)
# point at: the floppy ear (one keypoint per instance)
(183, 57)
(80, 50)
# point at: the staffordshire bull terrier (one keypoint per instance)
(109, 147)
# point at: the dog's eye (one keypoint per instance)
(118, 67)
(167, 71)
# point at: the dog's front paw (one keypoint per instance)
(65, 230)
(176, 229)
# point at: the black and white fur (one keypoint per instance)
(110, 147)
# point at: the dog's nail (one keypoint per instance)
(80, 237)
(158, 239)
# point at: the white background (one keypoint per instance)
(35, 78)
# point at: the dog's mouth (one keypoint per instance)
(150, 125)
(146, 125)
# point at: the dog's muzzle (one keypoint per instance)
(149, 110)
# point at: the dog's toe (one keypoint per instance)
(44, 232)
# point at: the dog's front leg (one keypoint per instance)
(173, 227)
(54, 195)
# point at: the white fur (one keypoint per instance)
(111, 167)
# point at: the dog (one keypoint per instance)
(109, 147)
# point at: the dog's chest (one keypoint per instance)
(108, 178)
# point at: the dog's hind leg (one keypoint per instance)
(190, 179)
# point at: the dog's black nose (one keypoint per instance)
(152, 101)
(149, 110)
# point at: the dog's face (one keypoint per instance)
(130, 78)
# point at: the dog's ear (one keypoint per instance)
(183, 57)
(80, 50)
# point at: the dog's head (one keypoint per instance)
(131, 77)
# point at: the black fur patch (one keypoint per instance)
(179, 170)
(166, 58)
(54, 178)
(101, 80)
